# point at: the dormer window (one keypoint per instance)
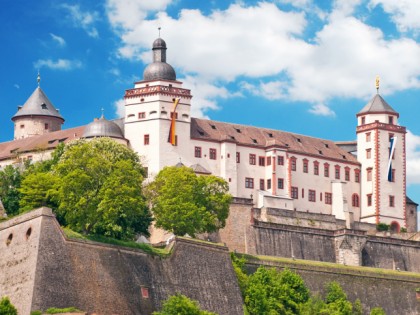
(238, 130)
(363, 120)
(43, 106)
(213, 126)
(390, 120)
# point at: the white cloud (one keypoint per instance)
(119, 107)
(17, 86)
(59, 40)
(321, 110)
(59, 64)
(404, 13)
(85, 20)
(244, 43)
(413, 158)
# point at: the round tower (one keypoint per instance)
(37, 116)
(381, 152)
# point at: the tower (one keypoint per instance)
(37, 116)
(154, 108)
(381, 152)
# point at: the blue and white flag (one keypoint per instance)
(393, 143)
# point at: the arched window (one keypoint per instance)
(355, 201)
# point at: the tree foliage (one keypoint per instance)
(10, 179)
(37, 190)
(181, 305)
(185, 203)
(6, 307)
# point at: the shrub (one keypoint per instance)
(6, 307)
(382, 227)
(377, 311)
(54, 310)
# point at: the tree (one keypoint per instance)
(6, 307)
(10, 179)
(37, 190)
(185, 203)
(99, 189)
(336, 300)
(181, 305)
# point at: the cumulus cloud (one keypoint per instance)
(83, 19)
(244, 44)
(413, 158)
(59, 64)
(119, 108)
(404, 13)
(59, 40)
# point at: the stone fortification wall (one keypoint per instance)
(394, 291)
(106, 279)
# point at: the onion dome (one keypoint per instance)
(159, 69)
(38, 104)
(102, 128)
(377, 105)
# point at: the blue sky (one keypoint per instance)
(304, 66)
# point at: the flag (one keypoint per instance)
(171, 137)
(392, 142)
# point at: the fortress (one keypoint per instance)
(295, 196)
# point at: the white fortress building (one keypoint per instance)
(365, 179)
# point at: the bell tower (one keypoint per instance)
(381, 151)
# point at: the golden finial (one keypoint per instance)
(377, 84)
(38, 79)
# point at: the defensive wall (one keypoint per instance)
(41, 268)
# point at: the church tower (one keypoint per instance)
(157, 114)
(381, 152)
(37, 116)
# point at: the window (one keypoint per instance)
(347, 173)
(295, 193)
(249, 182)
(326, 170)
(337, 172)
(303, 193)
(280, 183)
(369, 200)
(392, 179)
(268, 184)
(238, 157)
(268, 160)
(46, 126)
(320, 196)
(355, 200)
(316, 168)
(146, 139)
(22, 126)
(262, 184)
(176, 116)
(144, 293)
(328, 198)
(390, 120)
(363, 120)
(252, 159)
(212, 153)
(368, 153)
(142, 115)
(197, 152)
(280, 160)
(261, 161)
(369, 174)
(391, 201)
(293, 163)
(312, 195)
(305, 166)
(367, 136)
(357, 176)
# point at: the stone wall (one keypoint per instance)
(48, 270)
(394, 291)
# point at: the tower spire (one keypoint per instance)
(377, 84)
(38, 79)
(159, 28)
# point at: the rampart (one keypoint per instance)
(41, 269)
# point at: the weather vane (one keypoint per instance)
(159, 28)
(38, 79)
(377, 84)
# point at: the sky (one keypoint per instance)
(303, 66)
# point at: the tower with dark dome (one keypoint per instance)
(37, 116)
(156, 107)
(102, 127)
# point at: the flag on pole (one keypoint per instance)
(392, 142)
(171, 137)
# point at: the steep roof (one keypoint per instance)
(377, 105)
(38, 104)
(48, 141)
(203, 129)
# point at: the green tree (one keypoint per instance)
(185, 203)
(181, 305)
(99, 189)
(271, 292)
(38, 190)
(6, 307)
(336, 301)
(10, 180)
(377, 311)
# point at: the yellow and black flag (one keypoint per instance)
(171, 137)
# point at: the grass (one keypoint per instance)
(112, 241)
(310, 263)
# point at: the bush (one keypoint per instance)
(377, 311)
(7, 308)
(382, 227)
(181, 305)
(54, 310)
